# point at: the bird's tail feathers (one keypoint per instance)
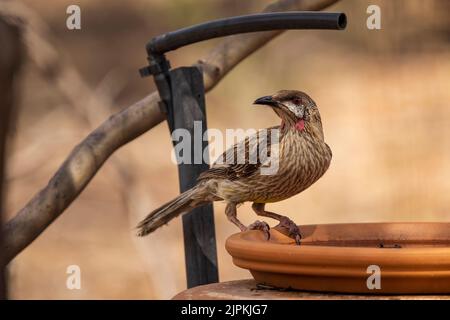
(162, 215)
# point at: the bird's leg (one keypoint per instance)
(231, 212)
(285, 225)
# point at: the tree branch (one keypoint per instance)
(87, 157)
(10, 63)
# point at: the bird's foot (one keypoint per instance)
(261, 225)
(289, 228)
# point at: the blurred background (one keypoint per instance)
(383, 94)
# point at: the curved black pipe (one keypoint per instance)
(243, 24)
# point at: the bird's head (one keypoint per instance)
(295, 108)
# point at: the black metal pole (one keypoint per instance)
(248, 23)
(187, 112)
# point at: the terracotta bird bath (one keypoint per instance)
(413, 258)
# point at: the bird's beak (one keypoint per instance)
(266, 100)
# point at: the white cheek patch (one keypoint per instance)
(294, 109)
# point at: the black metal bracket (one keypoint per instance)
(154, 68)
(182, 94)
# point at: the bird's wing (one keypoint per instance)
(244, 158)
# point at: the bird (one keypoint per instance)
(302, 154)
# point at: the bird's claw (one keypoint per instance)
(261, 225)
(298, 239)
(289, 228)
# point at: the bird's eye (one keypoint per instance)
(296, 101)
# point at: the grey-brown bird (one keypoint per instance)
(302, 158)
